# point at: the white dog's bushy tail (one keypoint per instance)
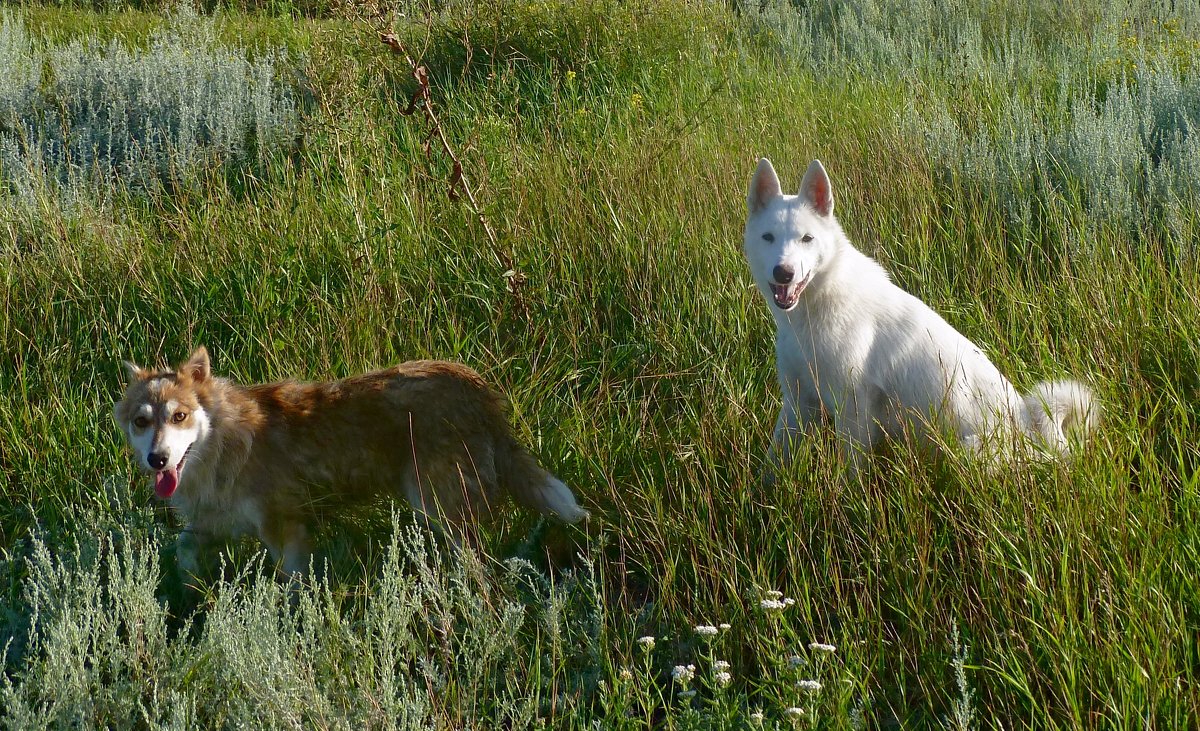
(534, 487)
(1057, 409)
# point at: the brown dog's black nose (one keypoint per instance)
(782, 274)
(157, 460)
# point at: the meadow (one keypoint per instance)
(243, 176)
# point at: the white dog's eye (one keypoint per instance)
(806, 238)
(769, 238)
(141, 422)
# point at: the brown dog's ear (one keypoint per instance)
(133, 372)
(197, 367)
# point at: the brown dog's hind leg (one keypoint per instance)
(452, 493)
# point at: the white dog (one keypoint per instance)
(854, 348)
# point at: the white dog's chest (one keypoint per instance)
(831, 360)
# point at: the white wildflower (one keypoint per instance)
(796, 661)
(758, 717)
(723, 679)
(809, 685)
(683, 673)
(774, 594)
(646, 642)
(794, 711)
(625, 675)
(822, 647)
(706, 630)
(686, 694)
(788, 602)
(720, 665)
(772, 605)
(724, 626)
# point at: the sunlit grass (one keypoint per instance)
(610, 145)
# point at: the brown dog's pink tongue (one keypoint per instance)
(165, 483)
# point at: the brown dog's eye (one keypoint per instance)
(179, 416)
(141, 422)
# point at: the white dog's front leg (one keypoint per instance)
(780, 452)
(801, 411)
(859, 431)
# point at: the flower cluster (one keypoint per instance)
(776, 605)
(805, 677)
(683, 673)
(721, 673)
(775, 601)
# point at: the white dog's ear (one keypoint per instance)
(764, 186)
(815, 188)
(197, 368)
(133, 372)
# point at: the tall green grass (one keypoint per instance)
(1024, 170)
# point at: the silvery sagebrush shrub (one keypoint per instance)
(435, 639)
(99, 636)
(1105, 125)
(90, 114)
(1130, 156)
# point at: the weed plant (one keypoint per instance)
(1027, 169)
(78, 119)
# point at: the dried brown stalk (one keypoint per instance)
(459, 185)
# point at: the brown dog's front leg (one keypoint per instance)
(192, 550)
(290, 544)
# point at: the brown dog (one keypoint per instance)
(257, 460)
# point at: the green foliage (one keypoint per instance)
(1033, 124)
(1027, 170)
(78, 118)
(432, 641)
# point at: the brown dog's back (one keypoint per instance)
(433, 429)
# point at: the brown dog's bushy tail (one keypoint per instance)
(533, 487)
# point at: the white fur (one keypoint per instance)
(161, 435)
(876, 360)
(174, 440)
(558, 499)
(142, 440)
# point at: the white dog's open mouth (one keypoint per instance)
(787, 295)
(166, 480)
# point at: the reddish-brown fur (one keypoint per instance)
(276, 454)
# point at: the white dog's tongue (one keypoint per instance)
(165, 482)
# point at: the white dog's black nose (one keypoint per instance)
(782, 274)
(157, 460)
